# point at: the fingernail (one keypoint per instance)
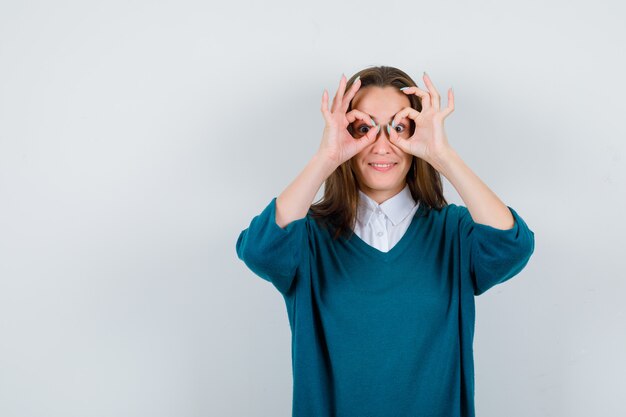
(388, 130)
(393, 123)
(403, 88)
(373, 123)
(425, 73)
(358, 76)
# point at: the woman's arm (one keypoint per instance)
(482, 203)
(337, 146)
(294, 202)
(430, 142)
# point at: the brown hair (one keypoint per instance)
(338, 206)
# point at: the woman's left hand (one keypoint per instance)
(429, 141)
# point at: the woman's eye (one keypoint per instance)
(363, 132)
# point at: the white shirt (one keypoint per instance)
(383, 225)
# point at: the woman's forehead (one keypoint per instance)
(381, 115)
(380, 102)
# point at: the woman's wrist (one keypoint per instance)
(443, 159)
(324, 163)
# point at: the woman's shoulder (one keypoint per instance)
(444, 211)
(449, 216)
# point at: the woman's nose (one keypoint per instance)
(382, 142)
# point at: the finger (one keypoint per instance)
(351, 93)
(436, 99)
(409, 112)
(365, 119)
(396, 140)
(450, 107)
(367, 139)
(324, 108)
(423, 95)
(355, 114)
(339, 96)
(332, 104)
(397, 119)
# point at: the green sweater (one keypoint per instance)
(381, 334)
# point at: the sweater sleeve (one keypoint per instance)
(271, 252)
(495, 255)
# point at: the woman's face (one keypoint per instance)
(381, 182)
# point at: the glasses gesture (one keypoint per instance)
(429, 141)
(338, 145)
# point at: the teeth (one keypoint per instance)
(381, 165)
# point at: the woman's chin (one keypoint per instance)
(383, 185)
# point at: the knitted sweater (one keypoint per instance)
(382, 334)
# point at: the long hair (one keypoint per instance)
(338, 206)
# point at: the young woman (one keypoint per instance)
(379, 277)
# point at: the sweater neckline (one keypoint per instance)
(398, 247)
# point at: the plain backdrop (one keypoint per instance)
(139, 138)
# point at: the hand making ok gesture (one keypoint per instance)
(337, 144)
(429, 141)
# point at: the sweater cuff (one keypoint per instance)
(271, 208)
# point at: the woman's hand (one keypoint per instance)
(337, 144)
(429, 141)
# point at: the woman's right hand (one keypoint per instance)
(338, 145)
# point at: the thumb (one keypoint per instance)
(395, 138)
(369, 138)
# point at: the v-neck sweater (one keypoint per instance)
(384, 333)
(383, 225)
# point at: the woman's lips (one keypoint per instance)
(383, 167)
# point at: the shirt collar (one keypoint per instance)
(396, 208)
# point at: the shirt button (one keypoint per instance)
(379, 233)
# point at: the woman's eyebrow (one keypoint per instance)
(392, 117)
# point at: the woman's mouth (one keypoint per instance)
(382, 167)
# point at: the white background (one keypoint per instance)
(137, 139)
